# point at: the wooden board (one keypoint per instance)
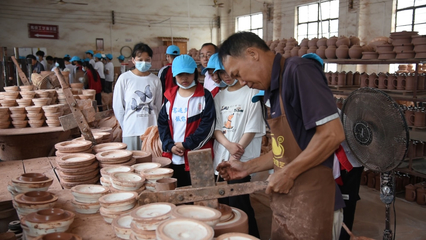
(42, 165)
(9, 170)
(29, 130)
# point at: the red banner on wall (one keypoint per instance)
(43, 31)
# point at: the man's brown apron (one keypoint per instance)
(306, 212)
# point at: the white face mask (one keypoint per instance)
(221, 84)
(190, 86)
(142, 66)
(235, 82)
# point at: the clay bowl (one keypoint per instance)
(109, 146)
(11, 95)
(109, 215)
(76, 160)
(84, 96)
(17, 110)
(52, 116)
(73, 146)
(31, 182)
(108, 171)
(48, 221)
(33, 109)
(105, 182)
(26, 88)
(121, 226)
(18, 116)
(24, 102)
(117, 202)
(105, 136)
(165, 184)
(142, 156)
(114, 156)
(4, 117)
(141, 234)
(85, 208)
(61, 154)
(40, 101)
(387, 55)
(8, 102)
(149, 216)
(165, 162)
(236, 236)
(238, 223)
(4, 110)
(52, 108)
(114, 190)
(20, 123)
(369, 55)
(207, 215)
(127, 181)
(36, 123)
(59, 236)
(88, 193)
(98, 139)
(153, 175)
(226, 212)
(35, 116)
(53, 123)
(27, 95)
(11, 89)
(29, 202)
(140, 167)
(4, 125)
(88, 91)
(42, 94)
(190, 228)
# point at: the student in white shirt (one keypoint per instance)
(40, 58)
(89, 55)
(99, 66)
(109, 73)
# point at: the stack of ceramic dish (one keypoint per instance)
(35, 116)
(165, 162)
(106, 173)
(419, 42)
(204, 214)
(77, 146)
(40, 101)
(77, 168)
(27, 94)
(115, 157)
(121, 226)
(86, 198)
(99, 137)
(59, 236)
(29, 202)
(4, 117)
(28, 182)
(401, 42)
(26, 88)
(109, 146)
(24, 102)
(116, 204)
(11, 89)
(61, 96)
(88, 94)
(148, 217)
(127, 181)
(52, 113)
(140, 167)
(18, 117)
(46, 221)
(142, 156)
(152, 175)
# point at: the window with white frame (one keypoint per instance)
(410, 16)
(320, 19)
(251, 23)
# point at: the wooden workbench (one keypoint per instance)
(88, 226)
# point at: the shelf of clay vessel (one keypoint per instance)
(28, 130)
(374, 61)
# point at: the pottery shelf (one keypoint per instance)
(374, 61)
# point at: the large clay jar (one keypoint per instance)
(410, 192)
(304, 42)
(332, 41)
(295, 51)
(330, 52)
(322, 42)
(312, 49)
(354, 40)
(349, 78)
(313, 42)
(342, 40)
(355, 52)
(321, 51)
(342, 52)
(302, 51)
(287, 54)
(341, 78)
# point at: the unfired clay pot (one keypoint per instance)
(312, 49)
(322, 42)
(295, 51)
(330, 52)
(312, 42)
(48, 221)
(354, 40)
(321, 51)
(342, 52)
(332, 41)
(302, 51)
(342, 40)
(355, 52)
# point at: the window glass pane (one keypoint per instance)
(325, 10)
(313, 28)
(243, 23)
(303, 14)
(323, 32)
(310, 36)
(421, 28)
(334, 9)
(404, 17)
(404, 4)
(403, 28)
(313, 12)
(301, 37)
(256, 21)
(302, 29)
(420, 15)
(334, 26)
(420, 2)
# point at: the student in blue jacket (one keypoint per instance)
(187, 118)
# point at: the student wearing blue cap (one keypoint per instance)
(137, 98)
(165, 73)
(109, 73)
(187, 118)
(89, 54)
(212, 67)
(123, 64)
(77, 72)
(99, 66)
(70, 66)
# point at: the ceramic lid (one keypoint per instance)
(32, 177)
(49, 215)
(109, 146)
(89, 189)
(73, 146)
(153, 211)
(236, 236)
(184, 228)
(118, 197)
(36, 197)
(201, 213)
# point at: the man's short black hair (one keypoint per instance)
(30, 56)
(140, 48)
(67, 59)
(210, 44)
(40, 53)
(240, 41)
(48, 58)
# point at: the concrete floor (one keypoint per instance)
(369, 216)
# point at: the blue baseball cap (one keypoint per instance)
(219, 66)
(121, 57)
(86, 59)
(173, 50)
(67, 55)
(212, 64)
(98, 55)
(315, 57)
(109, 56)
(257, 97)
(90, 51)
(75, 58)
(183, 64)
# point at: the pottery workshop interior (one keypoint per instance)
(212, 119)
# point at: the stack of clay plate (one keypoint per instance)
(86, 198)
(28, 182)
(165, 162)
(29, 202)
(18, 117)
(46, 221)
(190, 228)
(4, 117)
(152, 175)
(61, 96)
(77, 146)
(401, 42)
(127, 181)
(40, 101)
(141, 167)
(59, 236)
(106, 173)
(142, 156)
(115, 157)
(419, 42)
(121, 226)
(116, 204)
(204, 214)
(77, 168)
(109, 146)
(35, 116)
(52, 113)
(26, 88)
(148, 217)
